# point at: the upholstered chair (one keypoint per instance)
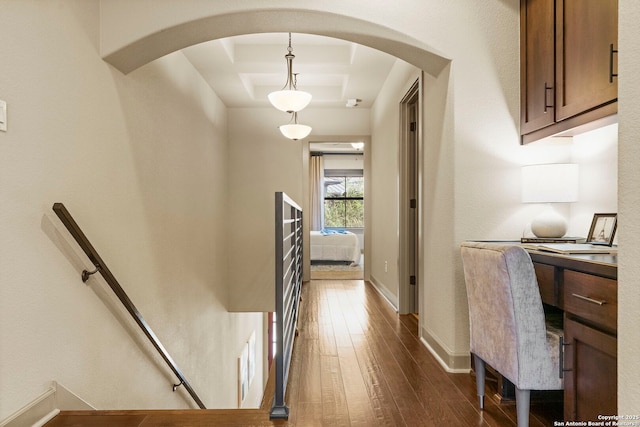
(507, 322)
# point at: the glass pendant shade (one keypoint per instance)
(289, 100)
(295, 131)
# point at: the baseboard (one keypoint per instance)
(30, 414)
(68, 401)
(453, 363)
(386, 294)
(46, 406)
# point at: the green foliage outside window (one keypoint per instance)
(343, 202)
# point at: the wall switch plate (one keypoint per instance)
(3, 116)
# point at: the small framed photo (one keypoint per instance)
(603, 228)
(243, 374)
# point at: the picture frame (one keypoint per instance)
(603, 229)
(243, 374)
(252, 357)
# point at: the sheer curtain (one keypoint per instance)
(316, 178)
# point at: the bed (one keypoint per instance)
(335, 245)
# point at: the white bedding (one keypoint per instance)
(335, 247)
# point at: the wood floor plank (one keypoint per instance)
(327, 339)
(417, 378)
(404, 396)
(335, 411)
(96, 419)
(309, 414)
(310, 389)
(355, 362)
(382, 398)
(359, 404)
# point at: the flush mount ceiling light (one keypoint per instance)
(353, 102)
(290, 99)
(295, 130)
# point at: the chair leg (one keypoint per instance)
(480, 376)
(522, 407)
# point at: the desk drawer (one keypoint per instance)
(592, 298)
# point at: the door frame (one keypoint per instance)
(306, 204)
(410, 219)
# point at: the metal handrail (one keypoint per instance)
(102, 268)
(288, 280)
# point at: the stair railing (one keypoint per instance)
(100, 267)
(288, 257)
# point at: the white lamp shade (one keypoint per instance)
(551, 183)
(295, 131)
(289, 100)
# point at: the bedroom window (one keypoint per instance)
(344, 198)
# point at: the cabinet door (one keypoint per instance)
(586, 30)
(590, 384)
(536, 64)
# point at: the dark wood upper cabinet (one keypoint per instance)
(537, 67)
(586, 58)
(568, 66)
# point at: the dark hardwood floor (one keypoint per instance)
(355, 363)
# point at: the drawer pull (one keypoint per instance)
(594, 301)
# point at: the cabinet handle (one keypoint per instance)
(591, 300)
(546, 96)
(561, 358)
(611, 73)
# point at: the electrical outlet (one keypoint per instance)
(386, 267)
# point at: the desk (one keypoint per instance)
(585, 288)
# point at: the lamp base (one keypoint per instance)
(549, 224)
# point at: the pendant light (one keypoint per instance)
(295, 130)
(290, 99)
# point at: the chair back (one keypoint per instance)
(506, 316)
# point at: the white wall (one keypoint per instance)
(141, 162)
(596, 153)
(472, 153)
(261, 162)
(629, 211)
(467, 191)
(344, 161)
(482, 40)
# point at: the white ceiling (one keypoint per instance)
(333, 147)
(242, 70)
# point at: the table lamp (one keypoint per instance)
(550, 183)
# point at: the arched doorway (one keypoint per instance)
(154, 41)
(127, 52)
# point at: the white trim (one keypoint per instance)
(34, 410)
(442, 362)
(46, 406)
(44, 420)
(391, 299)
